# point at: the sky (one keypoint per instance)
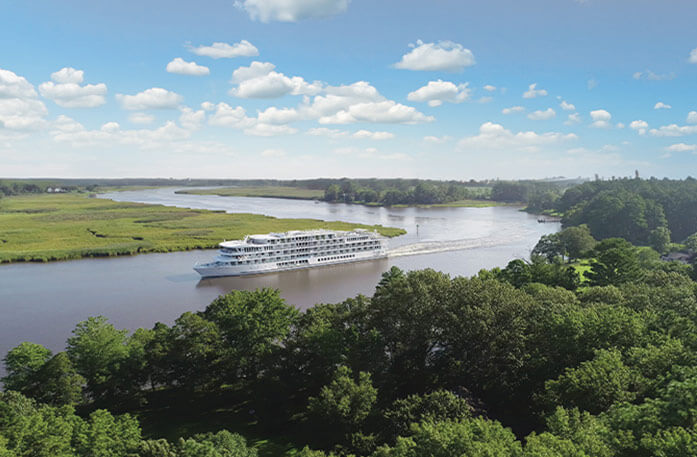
(440, 89)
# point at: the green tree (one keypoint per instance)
(691, 242)
(550, 247)
(472, 438)
(659, 239)
(97, 349)
(252, 325)
(58, 383)
(576, 241)
(617, 263)
(21, 364)
(437, 406)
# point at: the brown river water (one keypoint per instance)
(43, 302)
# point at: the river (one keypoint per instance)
(43, 302)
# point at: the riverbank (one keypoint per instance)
(296, 193)
(48, 227)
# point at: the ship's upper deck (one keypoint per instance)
(296, 236)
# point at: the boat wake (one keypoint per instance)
(431, 247)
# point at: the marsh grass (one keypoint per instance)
(46, 227)
(296, 193)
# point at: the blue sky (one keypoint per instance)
(308, 88)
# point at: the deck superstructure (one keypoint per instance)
(257, 254)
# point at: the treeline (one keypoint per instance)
(8, 188)
(529, 360)
(402, 191)
(635, 209)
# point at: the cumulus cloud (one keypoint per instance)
(437, 92)
(329, 133)
(512, 110)
(367, 134)
(225, 115)
(19, 107)
(141, 118)
(542, 115)
(437, 139)
(387, 111)
(661, 105)
(534, 92)
(574, 118)
(65, 90)
(291, 10)
(682, 147)
(258, 80)
(441, 56)
(489, 88)
(111, 134)
(566, 106)
(220, 50)
(640, 126)
(182, 67)
(274, 115)
(601, 119)
(674, 130)
(495, 137)
(154, 98)
(269, 130)
(190, 119)
(693, 56)
(692, 117)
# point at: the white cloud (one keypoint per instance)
(273, 115)
(220, 50)
(141, 118)
(65, 90)
(574, 118)
(19, 107)
(437, 139)
(651, 76)
(692, 117)
(226, 116)
(387, 111)
(489, 88)
(661, 105)
(534, 92)
(566, 106)
(513, 109)
(542, 115)
(258, 80)
(674, 130)
(494, 136)
(330, 133)
(367, 134)
(182, 67)
(437, 92)
(190, 119)
(682, 147)
(111, 134)
(154, 98)
(441, 56)
(273, 153)
(693, 56)
(592, 83)
(640, 126)
(291, 10)
(269, 130)
(601, 119)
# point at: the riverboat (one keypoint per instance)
(257, 254)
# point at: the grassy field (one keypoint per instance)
(44, 227)
(296, 193)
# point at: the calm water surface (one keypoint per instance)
(43, 302)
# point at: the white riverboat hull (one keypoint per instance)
(211, 270)
(259, 254)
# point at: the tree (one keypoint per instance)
(252, 325)
(332, 193)
(617, 263)
(343, 405)
(22, 363)
(58, 383)
(659, 239)
(576, 241)
(97, 349)
(437, 406)
(550, 247)
(691, 242)
(472, 438)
